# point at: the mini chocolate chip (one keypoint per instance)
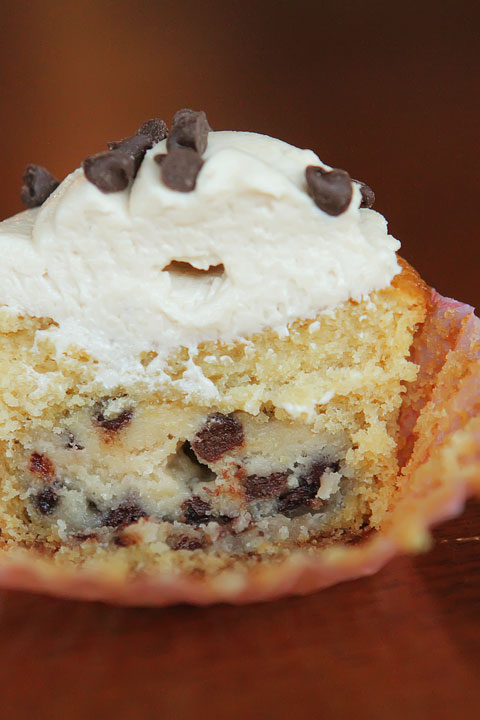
(38, 184)
(296, 498)
(155, 129)
(186, 543)
(257, 486)
(147, 135)
(309, 484)
(196, 511)
(113, 424)
(180, 168)
(41, 465)
(125, 514)
(189, 130)
(136, 146)
(331, 190)
(219, 434)
(133, 145)
(368, 196)
(110, 171)
(46, 501)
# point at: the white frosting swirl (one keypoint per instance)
(95, 262)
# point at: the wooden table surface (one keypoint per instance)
(404, 643)
(388, 91)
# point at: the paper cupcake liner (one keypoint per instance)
(439, 452)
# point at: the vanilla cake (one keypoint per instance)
(204, 342)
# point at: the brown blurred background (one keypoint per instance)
(388, 91)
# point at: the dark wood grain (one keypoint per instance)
(402, 644)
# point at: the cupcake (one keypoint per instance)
(218, 379)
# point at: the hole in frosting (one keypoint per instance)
(182, 268)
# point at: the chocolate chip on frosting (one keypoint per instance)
(38, 184)
(368, 196)
(331, 190)
(189, 130)
(110, 171)
(186, 142)
(136, 146)
(147, 135)
(155, 129)
(180, 168)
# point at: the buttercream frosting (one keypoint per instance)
(151, 269)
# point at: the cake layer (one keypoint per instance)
(291, 441)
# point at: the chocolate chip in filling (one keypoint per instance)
(196, 511)
(220, 434)
(40, 464)
(113, 424)
(300, 498)
(185, 543)
(297, 498)
(46, 501)
(123, 515)
(270, 486)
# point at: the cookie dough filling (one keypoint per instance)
(204, 343)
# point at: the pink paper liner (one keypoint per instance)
(440, 457)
